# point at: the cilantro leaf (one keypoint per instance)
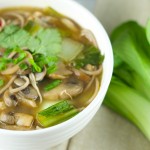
(46, 41)
(91, 56)
(50, 41)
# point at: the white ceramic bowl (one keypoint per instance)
(49, 137)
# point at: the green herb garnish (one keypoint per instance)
(23, 66)
(32, 27)
(50, 62)
(45, 41)
(35, 67)
(91, 56)
(52, 85)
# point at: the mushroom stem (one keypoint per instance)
(15, 90)
(10, 100)
(33, 82)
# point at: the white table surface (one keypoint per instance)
(107, 130)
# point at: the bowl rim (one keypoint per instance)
(73, 119)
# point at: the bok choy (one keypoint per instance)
(128, 93)
(56, 113)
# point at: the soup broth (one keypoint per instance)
(50, 68)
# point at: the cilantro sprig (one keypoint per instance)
(45, 41)
(44, 44)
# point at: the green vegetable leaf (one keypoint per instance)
(52, 85)
(50, 42)
(45, 41)
(91, 56)
(49, 61)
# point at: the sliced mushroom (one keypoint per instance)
(33, 82)
(29, 93)
(39, 76)
(19, 82)
(22, 119)
(24, 83)
(61, 73)
(7, 117)
(65, 90)
(25, 101)
(9, 99)
(89, 35)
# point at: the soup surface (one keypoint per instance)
(50, 68)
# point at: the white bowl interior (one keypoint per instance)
(86, 20)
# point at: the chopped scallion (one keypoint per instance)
(36, 68)
(23, 66)
(52, 85)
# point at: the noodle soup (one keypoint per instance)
(50, 68)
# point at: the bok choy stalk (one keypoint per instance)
(128, 93)
(56, 113)
(128, 102)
